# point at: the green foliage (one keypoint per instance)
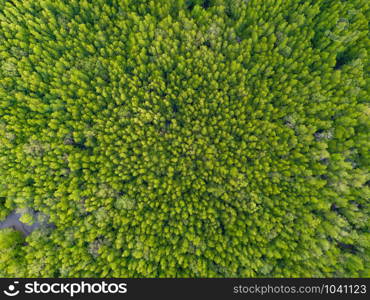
(220, 138)
(27, 219)
(11, 253)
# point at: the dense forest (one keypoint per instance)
(185, 138)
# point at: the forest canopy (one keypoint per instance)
(173, 138)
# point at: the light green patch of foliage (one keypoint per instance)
(27, 219)
(12, 254)
(173, 138)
